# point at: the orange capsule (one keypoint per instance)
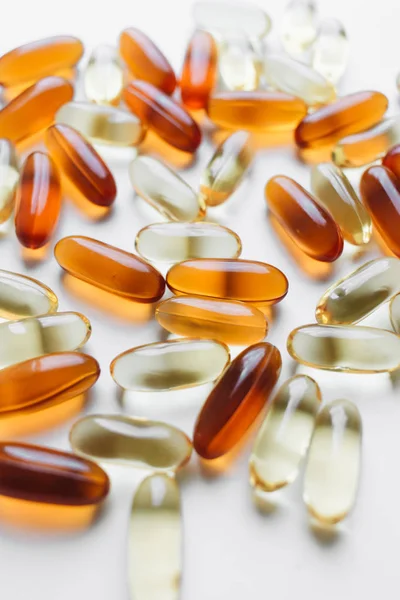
(236, 400)
(309, 225)
(81, 164)
(199, 71)
(35, 108)
(163, 115)
(145, 60)
(392, 160)
(348, 115)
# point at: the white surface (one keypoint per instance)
(231, 550)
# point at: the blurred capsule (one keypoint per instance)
(103, 78)
(299, 26)
(330, 52)
(224, 18)
(239, 64)
(9, 176)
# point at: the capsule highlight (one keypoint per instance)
(22, 296)
(9, 177)
(199, 71)
(103, 78)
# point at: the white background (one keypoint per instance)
(231, 549)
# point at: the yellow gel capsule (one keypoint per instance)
(175, 242)
(395, 313)
(226, 169)
(299, 26)
(103, 78)
(9, 177)
(227, 17)
(130, 441)
(239, 64)
(163, 189)
(21, 296)
(333, 464)
(330, 51)
(285, 434)
(354, 349)
(335, 193)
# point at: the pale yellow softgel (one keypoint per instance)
(22, 296)
(103, 77)
(9, 177)
(239, 64)
(333, 464)
(395, 313)
(224, 18)
(330, 51)
(299, 26)
(285, 434)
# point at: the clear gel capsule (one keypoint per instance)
(299, 26)
(224, 18)
(285, 434)
(21, 296)
(333, 464)
(239, 64)
(330, 51)
(9, 176)
(103, 78)
(395, 313)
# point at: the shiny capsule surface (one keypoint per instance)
(227, 17)
(391, 160)
(199, 71)
(239, 63)
(9, 176)
(395, 313)
(103, 78)
(309, 225)
(330, 51)
(22, 296)
(109, 268)
(236, 400)
(333, 463)
(299, 26)
(284, 437)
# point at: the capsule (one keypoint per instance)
(347, 115)
(239, 64)
(334, 192)
(395, 313)
(199, 71)
(330, 51)
(305, 221)
(130, 441)
(79, 162)
(226, 169)
(102, 124)
(259, 111)
(103, 78)
(224, 320)
(392, 160)
(333, 464)
(299, 26)
(354, 349)
(171, 365)
(21, 296)
(168, 119)
(224, 18)
(164, 190)
(9, 176)
(284, 437)
(175, 242)
(34, 109)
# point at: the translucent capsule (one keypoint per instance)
(225, 18)
(395, 313)
(224, 320)
(131, 441)
(21, 296)
(9, 176)
(330, 52)
(239, 64)
(226, 169)
(345, 348)
(299, 26)
(391, 160)
(163, 189)
(284, 437)
(333, 464)
(199, 71)
(334, 192)
(103, 78)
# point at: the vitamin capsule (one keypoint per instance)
(330, 52)
(395, 313)
(171, 365)
(349, 114)
(109, 268)
(226, 169)
(306, 222)
(333, 463)
(103, 78)
(9, 176)
(163, 115)
(37, 59)
(199, 72)
(21, 296)
(131, 441)
(236, 400)
(224, 320)
(284, 437)
(239, 64)
(225, 18)
(345, 348)
(174, 242)
(299, 26)
(334, 192)
(34, 109)
(164, 190)
(392, 160)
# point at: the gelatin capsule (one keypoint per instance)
(226, 169)
(284, 437)
(305, 221)
(236, 400)
(21, 296)
(334, 192)
(164, 190)
(109, 268)
(9, 176)
(299, 26)
(199, 71)
(171, 365)
(391, 160)
(333, 464)
(354, 349)
(330, 52)
(224, 320)
(131, 441)
(34, 109)
(168, 119)
(174, 242)
(239, 64)
(103, 78)
(395, 313)
(226, 17)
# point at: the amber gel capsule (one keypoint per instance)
(392, 160)
(285, 434)
(22, 296)
(104, 76)
(9, 176)
(199, 71)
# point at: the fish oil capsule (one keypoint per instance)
(236, 400)
(226, 169)
(354, 349)
(103, 78)
(224, 18)
(333, 463)
(334, 192)
(131, 441)
(34, 109)
(21, 296)
(306, 222)
(299, 26)
(330, 52)
(239, 64)
(174, 242)
(9, 176)
(199, 71)
(224, 320)
(391, 160)
(168, 119)
(285, 434)
(395, 313)
(171, 365)
(164, 190)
